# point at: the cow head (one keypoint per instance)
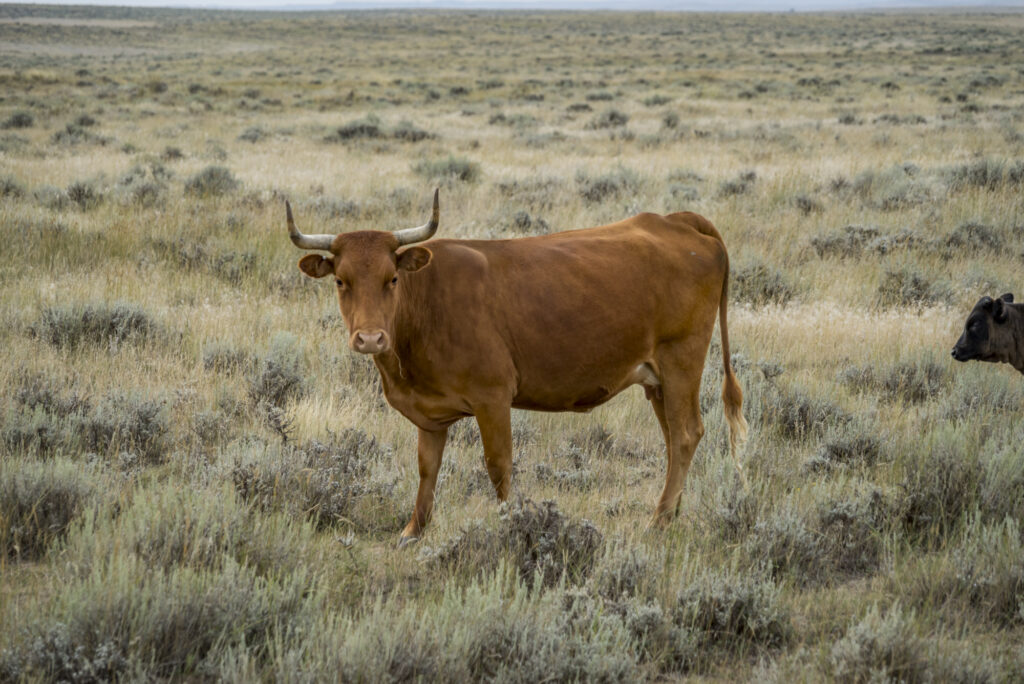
(368, 270)
(984, 331)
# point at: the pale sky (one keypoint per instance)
(712, 5)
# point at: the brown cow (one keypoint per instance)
(994, 332)
(559, 322)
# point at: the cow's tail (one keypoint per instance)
(732, 395)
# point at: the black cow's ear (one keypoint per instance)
(1008, 297)
(999, 313)
(985, 303)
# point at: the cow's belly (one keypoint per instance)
(586, 391)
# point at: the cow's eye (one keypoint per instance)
(339, 282)
(394, 281)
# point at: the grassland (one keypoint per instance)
(198, 479)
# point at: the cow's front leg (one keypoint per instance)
(429, 453)
(496, 433)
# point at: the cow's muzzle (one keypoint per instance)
(960, 355)
(370, 341)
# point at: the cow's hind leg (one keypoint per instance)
(429, 453)
(495, 423)
(678, 411)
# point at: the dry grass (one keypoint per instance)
(184, 434)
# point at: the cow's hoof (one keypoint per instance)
(406, 541)
(659, 523)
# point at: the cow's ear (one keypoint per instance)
(999, 313)
(1008, 297)
(316, 266)
(985, 303)
(414, 258)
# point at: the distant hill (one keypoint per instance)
(581, 5)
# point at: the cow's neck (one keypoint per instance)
(1016, 314)
(400, 367)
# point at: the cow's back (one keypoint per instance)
(574, 313)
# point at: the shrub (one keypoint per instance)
(939, 486)
(38, 503)
(148, 195)
(172, 153)
(731, 513)
(784, 543)
(989, 577)
(19, 119)
(134, 424)
(47, 419)
(796, 414)
(909, 288)
(50, 197)
(656, 100)
(85, 195)
(893, 189)
(625, 571)
(610, 118)
(973, 237)
(984, 174)
(740, 186)
(913, 381)
(76, 134)
(360, 129)
(108, 324)
(451, 169)
(845, 448)
(213, 181)
(881, 648)
(174, 625)
(10, 188)
(973, 396)
(522, 222)
(850, 241)
(253, 134)
(537, 193)
(277, 376)
(487, 631)
(807, 205)
(575, 479)
(733, 613)
(852, 532)
(595, 189)
(341, 481)
(759, 284)
(219, 356)
(201, 529)
(537, 537)
(407, 131)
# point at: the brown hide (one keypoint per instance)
(552, 323)
(559, 322)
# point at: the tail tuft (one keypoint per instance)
(732, 395)
(732, 400)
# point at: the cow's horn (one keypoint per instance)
(321, 241)
(424, 232)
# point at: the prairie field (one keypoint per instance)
(200, 481)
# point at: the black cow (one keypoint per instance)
(994, 332)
